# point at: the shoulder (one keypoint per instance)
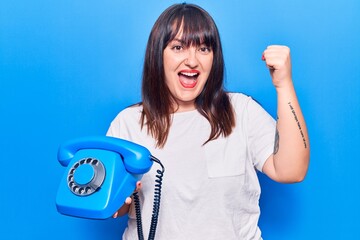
(127, 118)
(131, 112)
(236, 97)
(246, 106)
(239, 101)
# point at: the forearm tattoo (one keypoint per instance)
(298, 124)
(276, 144)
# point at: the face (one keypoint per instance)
(186, 72)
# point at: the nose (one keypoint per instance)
(192, 61)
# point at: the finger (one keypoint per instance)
(138, 186)
(263, 57)
(276, 49)
(127, 203)
(268, 60)
(128, 200)
(275, 60)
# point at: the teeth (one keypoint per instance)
(189, 74)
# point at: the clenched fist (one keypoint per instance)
(277, 59)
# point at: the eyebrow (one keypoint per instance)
(178, 40)
(182, 41)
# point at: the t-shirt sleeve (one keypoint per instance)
(261, 133)
(125, 124)
(112, 130)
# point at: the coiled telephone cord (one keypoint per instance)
(156, 204)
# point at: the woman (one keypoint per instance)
(211, 142)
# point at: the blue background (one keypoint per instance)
(68, 67)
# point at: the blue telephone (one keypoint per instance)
(101, 173)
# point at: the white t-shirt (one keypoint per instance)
(209, 191)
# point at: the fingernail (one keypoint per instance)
(263, 57)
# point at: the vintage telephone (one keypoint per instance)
(101, 173)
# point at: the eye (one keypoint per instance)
(205, 49)
(177, 48)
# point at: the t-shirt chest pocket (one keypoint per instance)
(226, 157)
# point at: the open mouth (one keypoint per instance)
(188, 79)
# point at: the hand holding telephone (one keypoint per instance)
(101, 173)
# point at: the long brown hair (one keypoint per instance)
(213, 103)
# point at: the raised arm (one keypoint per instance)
(290, 160)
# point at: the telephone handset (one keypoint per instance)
(101, 173)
